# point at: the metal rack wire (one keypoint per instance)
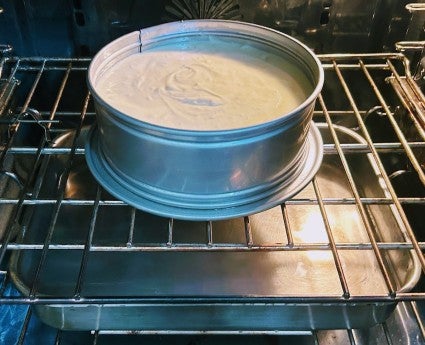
(378, 71)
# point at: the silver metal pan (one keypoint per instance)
(205, 174)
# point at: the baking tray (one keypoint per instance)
(208, 290)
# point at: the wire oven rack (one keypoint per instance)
(402, 109)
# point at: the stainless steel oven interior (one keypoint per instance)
(341, 262)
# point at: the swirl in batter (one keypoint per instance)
(207, 85)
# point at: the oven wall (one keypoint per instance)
(81, 27)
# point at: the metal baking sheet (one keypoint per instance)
(220, 291)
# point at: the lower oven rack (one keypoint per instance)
(386, 97)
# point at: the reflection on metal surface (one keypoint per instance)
(312, 231)
(413, 7)
(203, 9)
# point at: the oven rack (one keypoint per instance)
(390, 71)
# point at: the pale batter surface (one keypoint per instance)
(206, 85)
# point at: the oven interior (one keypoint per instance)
(339, 263)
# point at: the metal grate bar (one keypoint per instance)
(315, 338)
(337, 260)
(348, 112)
(364, 56)
(131, 229)
(58, 337)
(418, 317)
(328, 148)
(294, 201)
(53, 59)
(412, 296)
(24, 328)
(95, 337)
(248, 232)
(69, 113)
(387, 334)
(360, 206)
(351, 337)
(5, 281)
(52, 68)
(355, 66)
(287, 224)
(194, 332)
(60, 93)
(44, 151)
(380, 147)
(87, 246)
(34, 86)
(219, 247)
(170, 232)
(209, 233)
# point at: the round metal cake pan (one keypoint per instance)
(171, 207)
(201, 171)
